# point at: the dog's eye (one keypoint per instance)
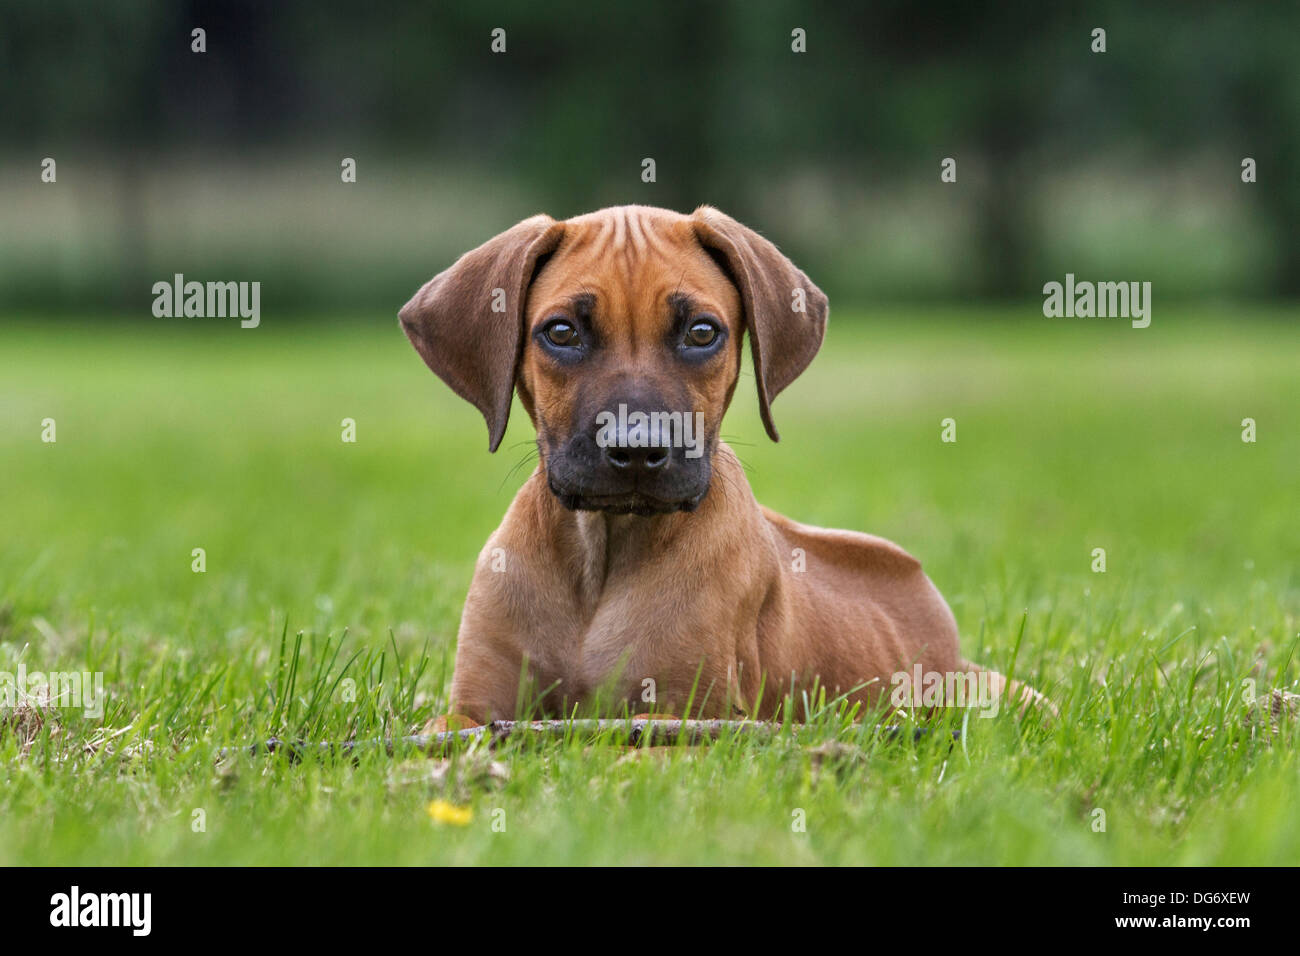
(562, 334)
(701, 334)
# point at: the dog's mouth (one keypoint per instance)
(626, 503)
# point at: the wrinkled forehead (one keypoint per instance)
(635, 263)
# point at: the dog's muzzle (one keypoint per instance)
(614, 473)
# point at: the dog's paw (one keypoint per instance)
(449, 722)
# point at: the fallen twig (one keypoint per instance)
(630, 732)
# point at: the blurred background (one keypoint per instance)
(133, 446)
(226, 164)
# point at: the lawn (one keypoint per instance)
(335, 573)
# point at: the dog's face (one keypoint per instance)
(631, 353)
(621, 331)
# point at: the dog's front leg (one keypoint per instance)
(489, 657)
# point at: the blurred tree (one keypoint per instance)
(713, 92)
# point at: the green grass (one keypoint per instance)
(333, 566)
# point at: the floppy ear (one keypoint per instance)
(467, 322)
(785, 312)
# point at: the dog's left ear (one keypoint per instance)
(467, 322)
(785, 312)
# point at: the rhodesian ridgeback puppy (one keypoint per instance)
(635, 568)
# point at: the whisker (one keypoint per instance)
(519, 464)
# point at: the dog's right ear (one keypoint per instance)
(467, 322)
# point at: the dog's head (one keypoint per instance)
(621, 331)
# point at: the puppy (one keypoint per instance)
(634, 569)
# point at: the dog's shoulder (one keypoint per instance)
(864, 552)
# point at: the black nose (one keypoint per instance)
(631, 461)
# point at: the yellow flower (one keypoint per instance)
(443, 812)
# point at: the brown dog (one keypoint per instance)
(629, 570)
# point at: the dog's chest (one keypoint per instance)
(641, 631)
